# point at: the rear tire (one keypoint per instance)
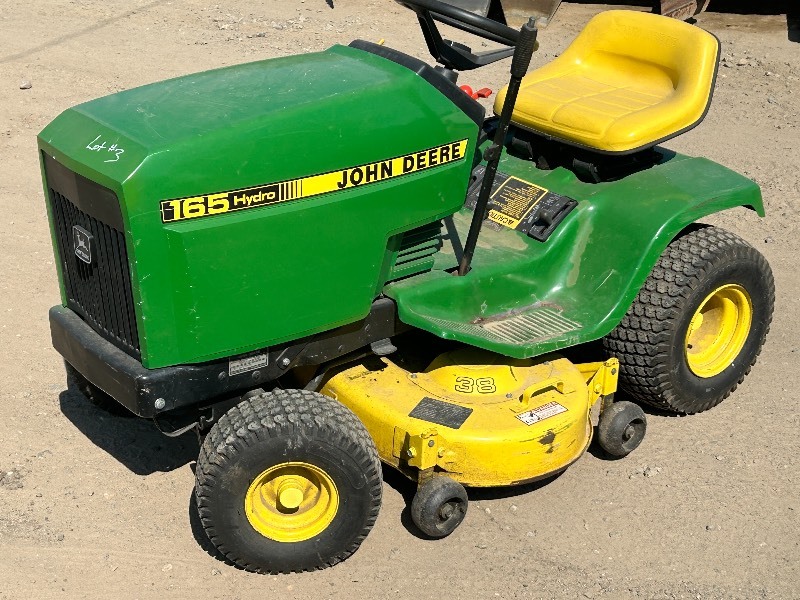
(288, 481)
(698, 324)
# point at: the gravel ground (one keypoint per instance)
(99, 506)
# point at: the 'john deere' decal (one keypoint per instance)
(314, 185)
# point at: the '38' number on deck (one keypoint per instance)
(482, 385)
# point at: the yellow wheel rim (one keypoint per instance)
(718, 330)
(291, 502)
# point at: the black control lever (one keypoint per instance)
(519, 66)
(452, 55)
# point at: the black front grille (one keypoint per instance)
(98, 290)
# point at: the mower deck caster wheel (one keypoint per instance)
(621, 429)
(439, 506)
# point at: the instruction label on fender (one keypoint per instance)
(540, 413)
(221, 203)
(513, 201)
(520, 205)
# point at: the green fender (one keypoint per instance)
(525, 298)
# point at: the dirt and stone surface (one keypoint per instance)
(93, 505)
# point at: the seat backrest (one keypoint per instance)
(641, 45)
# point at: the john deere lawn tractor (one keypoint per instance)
(326, 262)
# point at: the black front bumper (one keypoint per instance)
(148, 392)
(140, 390)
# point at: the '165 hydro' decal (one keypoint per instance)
(314, 185)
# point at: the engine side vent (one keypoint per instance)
(417, 250)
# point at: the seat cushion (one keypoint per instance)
(630, 80)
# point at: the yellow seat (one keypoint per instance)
(629, 81)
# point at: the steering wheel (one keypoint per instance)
(460, 19)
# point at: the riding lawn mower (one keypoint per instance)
(325, 262)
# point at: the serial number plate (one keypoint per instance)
(248, 363)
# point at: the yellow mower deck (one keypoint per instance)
(480, 418)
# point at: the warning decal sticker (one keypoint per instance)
(441, 413)
(540, 413)
(521, 205)
(513, 201)
(295, 189)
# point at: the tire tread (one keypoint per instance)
(278, 413)
(642, 341)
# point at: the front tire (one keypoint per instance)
(698, 324)
(288, 481)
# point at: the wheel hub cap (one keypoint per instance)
(290, 494)
(718, 330)
(291, 502)
(628, 433)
